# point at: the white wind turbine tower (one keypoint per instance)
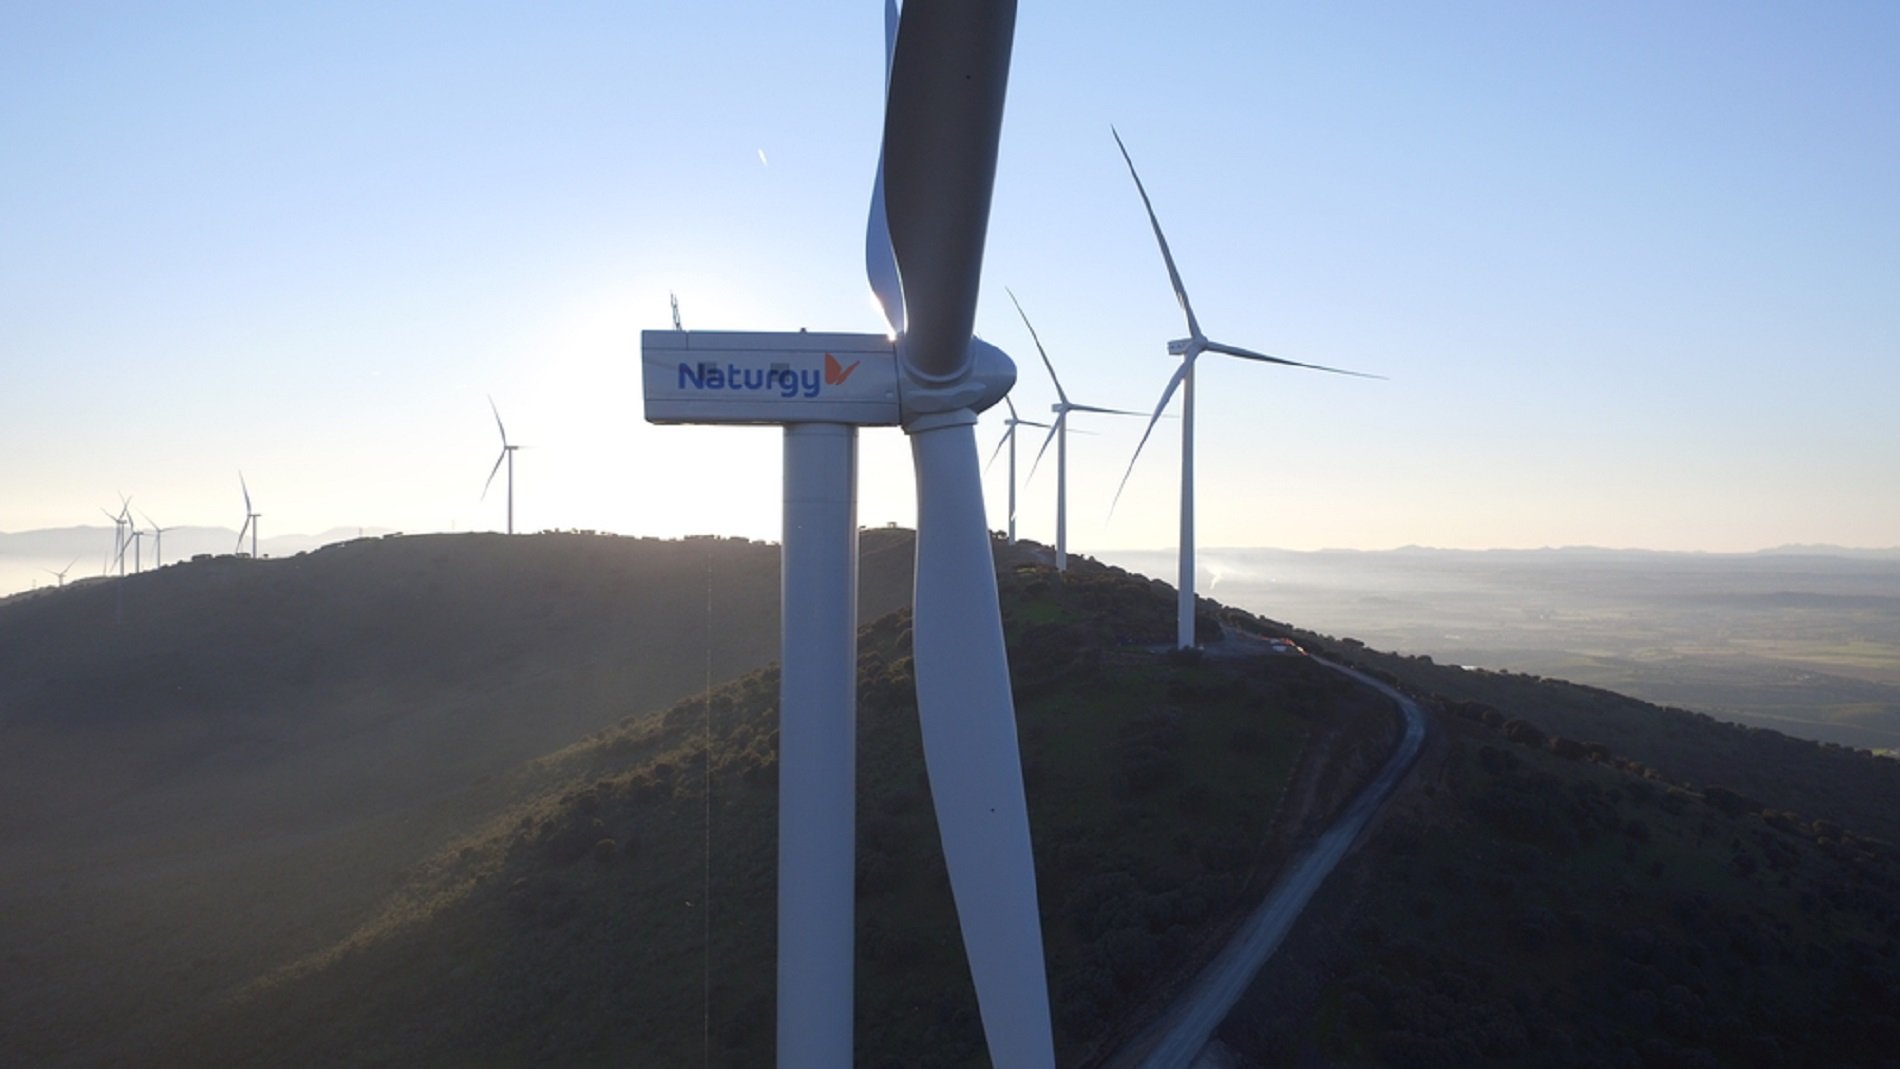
(1188, 349)
(120, 521)
(1060, 435)
(1009, 439)
(158, 539)
(508, 456)
(947, 70)
(251, 516)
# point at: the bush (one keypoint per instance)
(1730, 803)
(1524, 733)
(1568, 749)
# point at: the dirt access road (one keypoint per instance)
(1180, 1038)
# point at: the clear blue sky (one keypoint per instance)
(1633, 269)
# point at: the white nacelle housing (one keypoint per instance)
(723, 376)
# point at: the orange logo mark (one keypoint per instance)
(836, 373)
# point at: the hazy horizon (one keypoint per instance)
(27, 557)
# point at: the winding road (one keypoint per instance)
(1180, 1038)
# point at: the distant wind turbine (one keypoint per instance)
(1059, 434)
(158, 539)
(507, 456)
(251, 516)
(1009, 439)
(137, 564)
(62, 572)
(120, 521)
(1188, 349)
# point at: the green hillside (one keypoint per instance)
(621, 912)
(475, 800)
(1688, 893)
(212, 767)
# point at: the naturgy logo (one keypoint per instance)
(783, 379)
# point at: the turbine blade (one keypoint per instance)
(1249, 354)
(880, 263)
(498, 426)
(1054, 429)
(1174, 276)
(941, 126)
(1008, 433)
(1040, 351)
(247, 492)
(241, 532)
(1167, 395)
(1105, 411)
(968, 717)
(491, 472)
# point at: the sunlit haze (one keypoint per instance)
(1629, 270)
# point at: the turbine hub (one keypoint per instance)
(991, 374)
(1180, 346)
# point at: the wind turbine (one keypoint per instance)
(250, 519)
(1187, 349)
(1009, 439)
(508, 455)
(136, 562)
(62, 572)
(948, 63)
(120, 521)
(1060, 435)
(158, 539)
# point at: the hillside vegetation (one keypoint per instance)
(622, 912)
(474, 800)
(213, 767)
(1681, 893)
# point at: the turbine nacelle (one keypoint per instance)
(783, 377)
(1183, 347)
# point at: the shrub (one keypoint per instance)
(1524, 733)
(1568, 749)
